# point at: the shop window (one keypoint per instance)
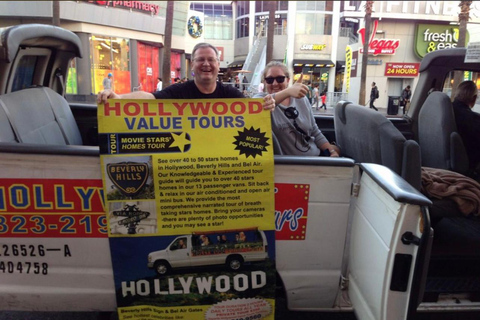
(310, 5)
(227, 11)
(218, 28)
(110, 55)
(282, 5)
(218, 24)
(175, 66)
(196, 6)
(280, 24)
(314, 23)
(218, 10)
(208, 10)
(315, 6)
(148, 67)
(262, 6)
(242, 27)
(243, 8)
(259, 6)
(261, 25)
(71, 87)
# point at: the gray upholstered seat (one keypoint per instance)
(368, 136)
(6, 132)
(441, 145)
(277, 148)
(37, 115)
(442, 148)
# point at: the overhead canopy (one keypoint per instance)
(236, 64)
(313, 63)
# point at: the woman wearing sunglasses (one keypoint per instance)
(293, 122)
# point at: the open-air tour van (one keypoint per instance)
(232, 248)
(368, 244)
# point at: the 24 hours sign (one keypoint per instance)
(401, 69)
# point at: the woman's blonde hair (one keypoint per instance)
(275, 64)
(466, 92)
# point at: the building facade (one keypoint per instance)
(402, 33)
(322, 40)
(312, 38)
(305, 37)
(124, 38)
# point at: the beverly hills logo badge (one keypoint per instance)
(129, 177)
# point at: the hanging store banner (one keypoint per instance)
(393, 69)
(378, 46)
(431, 37)
(348, 67)
(189, 198)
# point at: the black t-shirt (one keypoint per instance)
(468, 126)
(189, 90)
(373, 93)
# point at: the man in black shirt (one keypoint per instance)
(206, 65)
(405, 98)
(373, 96)
(468, 122)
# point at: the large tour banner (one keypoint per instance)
(189, 199)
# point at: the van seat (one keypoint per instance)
(442, 146)
(6, 131)
(368, 136)
(37, 115)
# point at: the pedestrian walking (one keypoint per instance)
(107, 82)
(315, 96)
(373, 96)
(405, 98)
(324, 100)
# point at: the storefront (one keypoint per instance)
(110, 55)
(314, 71)
(175, 65)
(148, 66)
(402, 33)
(124, 38)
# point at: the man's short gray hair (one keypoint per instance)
(204, 45)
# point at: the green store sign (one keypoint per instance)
(431, 37)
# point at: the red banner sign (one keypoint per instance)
(291, 211)
(52, 208)
(401, 69)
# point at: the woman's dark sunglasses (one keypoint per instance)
(279, 79)
(292, 114)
